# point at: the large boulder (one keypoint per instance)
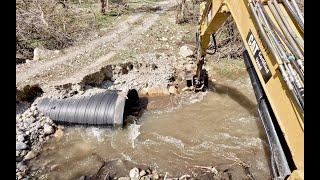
(185, 51)
(20, 146)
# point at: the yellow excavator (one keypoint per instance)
(272, 32)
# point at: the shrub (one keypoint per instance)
(48, 23)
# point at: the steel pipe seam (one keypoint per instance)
(107, 109)
(57, 111)
(52, 108)
(101, 108)
(61, 112)
(93, 107)
(82, 112)
(70, 108)
(112, 107)
(73, 109)
(79, 110)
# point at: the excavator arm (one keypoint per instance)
(272, 32)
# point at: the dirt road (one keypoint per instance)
(76, 62)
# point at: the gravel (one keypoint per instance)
(151, 70)
(32, 128)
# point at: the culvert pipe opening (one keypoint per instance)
(102, 109)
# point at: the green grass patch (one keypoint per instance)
(227, 68)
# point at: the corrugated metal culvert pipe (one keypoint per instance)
(102, 109)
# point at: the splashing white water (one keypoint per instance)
(133, 133)
(126, 157)
(194, 98)
(97, 133)
(168, 139)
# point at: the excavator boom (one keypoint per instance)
(272, 32)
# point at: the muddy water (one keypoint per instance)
(218, 128)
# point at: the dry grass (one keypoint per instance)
(228, 39)
(55, 24)
(187, 11)
(50, 24)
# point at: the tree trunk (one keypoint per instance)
(103, 6)
(107, 5)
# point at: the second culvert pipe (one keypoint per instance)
(102, 109)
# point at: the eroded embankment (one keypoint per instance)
(153, 75)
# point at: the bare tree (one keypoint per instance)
(103, 6)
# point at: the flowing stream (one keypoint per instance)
(175, 134)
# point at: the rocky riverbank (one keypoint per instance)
(201, 172)
(32, 130)
(143, 173)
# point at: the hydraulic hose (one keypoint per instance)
(280, 166)
(295, 6)
(288, 36)
(294, 14)
(286, 24)
(277, 50)
(297, 54)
